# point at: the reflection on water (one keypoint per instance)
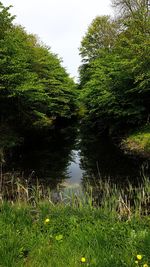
(70, 157)
(45, 159)
(74, 170)
(101, 159)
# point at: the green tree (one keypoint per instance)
(115, 79)
(6, 19)
(35, 90)
(100, 36)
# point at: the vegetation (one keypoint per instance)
(63, 236)
(100, 226)
(35, 90)
(114, 75)
(76, 231)
(139, 141)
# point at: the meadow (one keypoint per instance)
(76, 231)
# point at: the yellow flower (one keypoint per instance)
(136, 262)
(47, 221)
(139, 257)
(145, 265)
(83, 259)
(59, 237)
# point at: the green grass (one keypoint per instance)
(139, 141)
(71, 233)
(109, 233)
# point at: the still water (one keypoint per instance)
(73, 156)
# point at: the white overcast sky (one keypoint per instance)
(60, 24)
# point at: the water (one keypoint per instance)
(74, 170)
(71, 157)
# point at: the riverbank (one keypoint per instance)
(71, 237)
(35, 231)
(138, 142)
(64, 236)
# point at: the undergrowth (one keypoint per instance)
(139, 141)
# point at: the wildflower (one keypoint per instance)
(83, 259)
(59, 237)
(145, 265)
(46, 221)
(136, 262)
(139, 257)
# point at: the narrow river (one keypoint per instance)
(72, 157)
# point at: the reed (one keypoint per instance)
(125, 201)
(98, 226)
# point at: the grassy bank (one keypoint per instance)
(139, 141)
(76, 232)
(58, 236)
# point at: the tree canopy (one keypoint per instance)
(115, 74)
(35, 90)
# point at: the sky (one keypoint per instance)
(60, 24)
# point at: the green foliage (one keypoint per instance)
(115, 78)
(100, 36)
(35, 89)
(139, 141)
(5, 19)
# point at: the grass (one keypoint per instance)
(36, 232)
(68, 235)
(139, 141)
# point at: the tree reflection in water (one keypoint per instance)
(101, 159)
(45, 159)
(74, 156)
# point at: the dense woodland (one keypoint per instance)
(114, 83)
(35, 90)
(115, 70)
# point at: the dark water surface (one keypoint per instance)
(71, 156)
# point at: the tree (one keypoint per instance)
(35, 90)
(115, 80)
(130, 8)
(100, 36)
(134, 46)
(6, 19)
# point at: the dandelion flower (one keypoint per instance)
(139, 257)
(145, 265)
(59, 237)
(83, 259)
(47, 221)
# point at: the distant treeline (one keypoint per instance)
(115, 70)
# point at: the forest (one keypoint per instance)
(113, 92)
(35, 90)
(115, 70)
